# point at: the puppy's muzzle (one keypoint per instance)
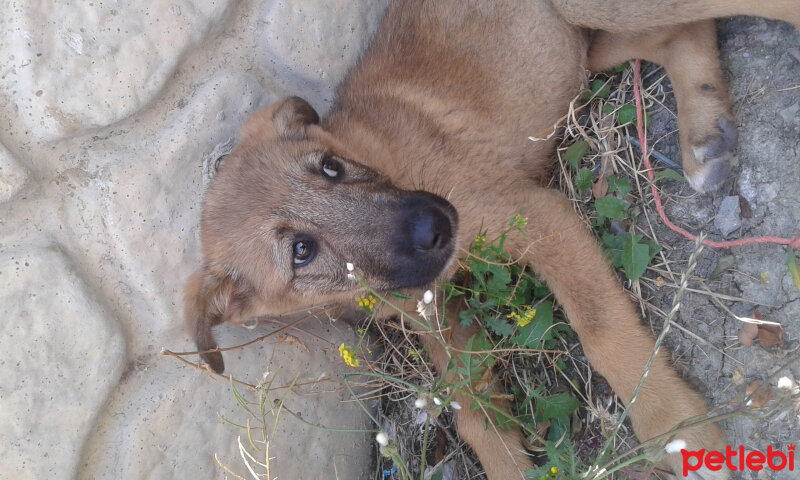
(424, 242)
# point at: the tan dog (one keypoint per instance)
(443, 103)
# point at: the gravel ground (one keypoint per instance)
(761, 60)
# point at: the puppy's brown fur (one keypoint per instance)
(443, 101)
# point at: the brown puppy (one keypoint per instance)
(442, 103)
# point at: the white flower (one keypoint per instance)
(350, 267)
(427, 297)
(675, 446)
(455, 405)
(422, 310)
(785, 382)
(421, 402)
(382, 438)
(437, 400)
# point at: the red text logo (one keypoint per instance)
(734, 460)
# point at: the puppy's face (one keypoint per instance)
(288, 210)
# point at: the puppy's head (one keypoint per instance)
(289, 209)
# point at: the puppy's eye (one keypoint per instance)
(331, 168)
(303, 251)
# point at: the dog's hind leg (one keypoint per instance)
(633, 15)
(689, 55)
(562, 251)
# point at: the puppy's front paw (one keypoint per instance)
(705, 474)
(671, 409)
(687, 453)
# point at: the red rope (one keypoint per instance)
(793, 242)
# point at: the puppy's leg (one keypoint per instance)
(632, 15)
(499, 450)
(689, 55)
(566, 256)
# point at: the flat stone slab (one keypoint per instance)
(76, 66)
(62, 355)
(115, 116)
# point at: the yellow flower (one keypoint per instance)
(554, 470)
(523, 319)
(414, 355)
(349, 356)
(366, 302)
(519, 221)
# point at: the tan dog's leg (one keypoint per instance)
(567, 257)
(689, 55)
(664, 33)
(635, 15)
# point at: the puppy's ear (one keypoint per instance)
(209, 301)
(287, 118)
(292, 117)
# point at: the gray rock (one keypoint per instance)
(795, 52)
(98, 63)
(63, 353)
(12, 175)
(728, 217)
(790, 114)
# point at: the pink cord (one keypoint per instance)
(793, 242)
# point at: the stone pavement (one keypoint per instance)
(112, 116)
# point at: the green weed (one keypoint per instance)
(611, 213)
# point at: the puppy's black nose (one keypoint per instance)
(423, 239)
(426, 226)
(430, 229)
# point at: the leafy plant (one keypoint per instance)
(583, 180)
(516, 313)
(576, 152)
(670, 174)
(598, 89)
(504, 296)
(626, 250)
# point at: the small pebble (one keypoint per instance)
(728, 217)
(790, 113)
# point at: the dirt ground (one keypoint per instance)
(761, 60)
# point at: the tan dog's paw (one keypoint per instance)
(709, 166)
(671, 409)
(706, 474)
(686, 454)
